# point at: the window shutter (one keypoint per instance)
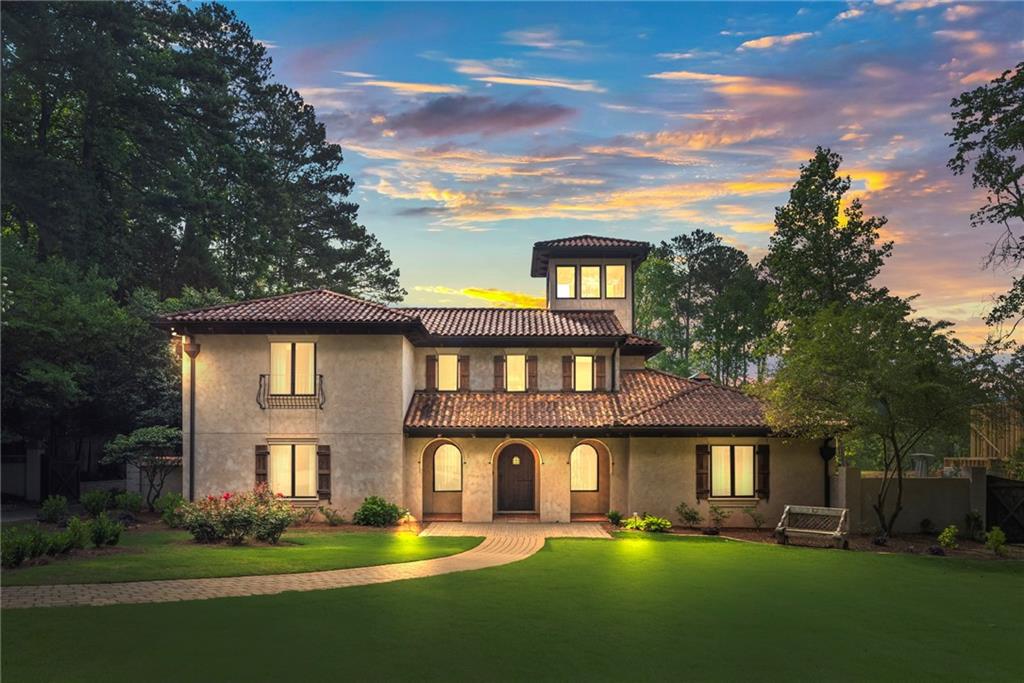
(531, 373)
(262, 455)
(703, 478)
(431, 373)
(566, 373)
(463, 373)
(499, 373)
(599, 375)
(763, 472)
(323, 472)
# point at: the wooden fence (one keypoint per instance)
(997, 430)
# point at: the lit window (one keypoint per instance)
(448, 372)
(447, 468)
(590, 282)
(583, 373)
(583, 468)
(292, 368)
(565, 282)
(732, 471)
(515, 373)
(615, 282)
(293, 470)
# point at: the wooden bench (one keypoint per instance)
(814, 522)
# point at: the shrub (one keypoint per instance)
(273, 517)
(202, 520)
(756, 517)
(995, 540)
(60, 543)
(54, 509)
(647, 523)
(78, 533)
(718, 515)
(13, 548)
(237, 519)
(129, 501)
(169, 506)
(37, 543)
(615, 517)
(333, 517)
(688, 515)
(375, 511)
(258, 513)
(95, 502)
(303, 515)
(947, 537)
(104, 531)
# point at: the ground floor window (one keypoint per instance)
(732, 471)
(583, 468)
(293, 469)
(447, 468)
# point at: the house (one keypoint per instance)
(476, 413)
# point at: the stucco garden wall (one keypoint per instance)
(663, 472)
(367, 384)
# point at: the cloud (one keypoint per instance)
(911, 5)
(269, 44)
(505, 72)
(979, 77)
(958, 36)
(541, 39)
(405, 88)
(539, 82)
(773, 41)
(500, 298)
(852, 13)
(355, 74)
(733, 85)
(958, 12)
(460, 114)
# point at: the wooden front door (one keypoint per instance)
(516, 472)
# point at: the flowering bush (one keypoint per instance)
(236, 516)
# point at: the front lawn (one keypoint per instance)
(151, 555)
(637, 608)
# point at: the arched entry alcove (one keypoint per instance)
(589, 478)
(442, 481)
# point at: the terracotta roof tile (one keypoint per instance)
(311, 306)
(646, 399)
(591, 241)
(517, 322)
(641, 346)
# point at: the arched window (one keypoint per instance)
(447, 468)
(583, 468)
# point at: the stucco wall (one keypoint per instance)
(623, 308)
(366, 387)
(481, 363)
(663, 472)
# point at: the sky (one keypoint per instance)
(473, 130)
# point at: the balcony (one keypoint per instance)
(265, 399)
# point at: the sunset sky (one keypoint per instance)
(473, 130)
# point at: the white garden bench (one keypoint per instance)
(814, 522)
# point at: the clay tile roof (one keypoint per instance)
(641, 346)
(312, 306)
(584, 246)
(592, 241)
(516, 322)
(646, 399)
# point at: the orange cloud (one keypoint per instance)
(958, 36)
(773, 41)
(404, 88)
(979, 77)
(500, 298)
(733, 85)
(542, 82)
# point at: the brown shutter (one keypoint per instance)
(531, 373)
(323, 472)
(566, 373)
(431, 373)
(499, 373)
(599, 375)
(262, 455)
(703, 471)
(763, 472)
(463, 373)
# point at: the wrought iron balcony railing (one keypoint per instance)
(265, 399)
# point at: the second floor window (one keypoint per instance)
(583, 373)
(590, 282)
(565, 282)
(447, 372)
(293, 368)
(515, 373)
(615, 282)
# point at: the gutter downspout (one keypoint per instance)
(191, 348)
(827, 452)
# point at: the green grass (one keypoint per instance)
(172, 555)
(634, 609)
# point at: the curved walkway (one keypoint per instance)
(503, 544)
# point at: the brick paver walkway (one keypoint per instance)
(504, 544)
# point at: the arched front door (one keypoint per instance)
(516, 479)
